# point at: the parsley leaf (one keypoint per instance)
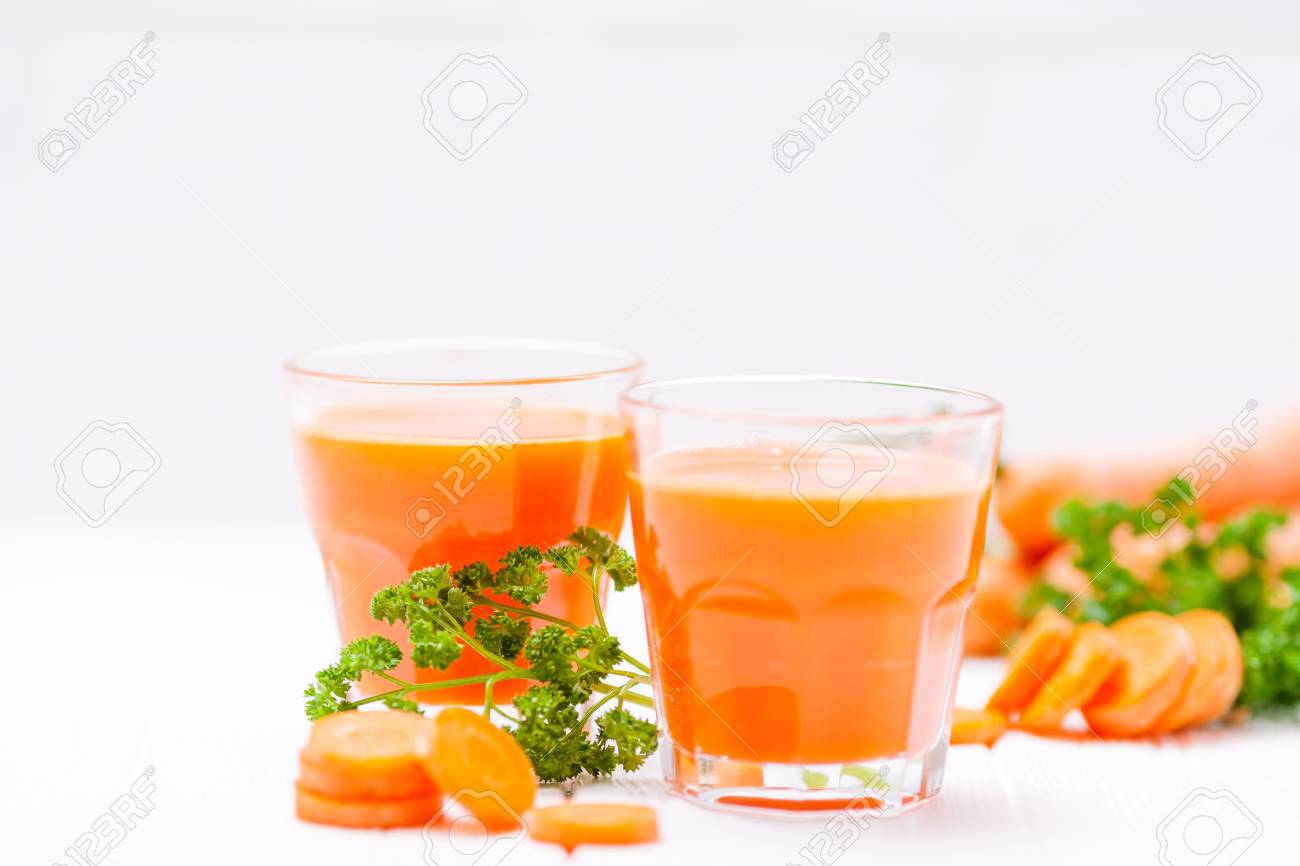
(521, 576)
(503, 634)
(632, 740)
(329, 693)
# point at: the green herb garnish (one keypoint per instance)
(577, 670)
(1262, 602)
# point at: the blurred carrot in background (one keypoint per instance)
(1230, 471)
(995, 615)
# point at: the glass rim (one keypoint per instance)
(621, 361)
(638, 396)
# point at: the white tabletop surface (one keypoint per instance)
(183, 648)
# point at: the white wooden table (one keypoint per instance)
(183, 647)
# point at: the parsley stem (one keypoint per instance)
(593, 580)
(466, 681)
(462, 634)
(479, 598)
(629, 696)
(621, 693)
(490, 705)
(643, 668)
(406, 688)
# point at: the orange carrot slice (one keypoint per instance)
(365, 753)
(1216, 678)
(1156, 656)
(1089, 661)
(320, 809)
(574, 824)
(1033, 658)
(977, 726)
(357, 781)
(481, 767)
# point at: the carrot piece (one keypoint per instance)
(995, 609)
(378, 814)
(574, 824)
(1089, 661)
(1033, 658)
(1266, 474)
(1216, 677)
(1156, 656)
(482, 767)
(357, 781)
(738, 774)
(977, 726)
(1027, 494)
(379, 752)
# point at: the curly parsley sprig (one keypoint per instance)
(1262, 601)
(577, 670)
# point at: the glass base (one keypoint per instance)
(865, 789)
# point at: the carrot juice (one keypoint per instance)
(393, 489)
(777, 638)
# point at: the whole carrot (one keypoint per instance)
(1250, 463)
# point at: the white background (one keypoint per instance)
(1001, 213)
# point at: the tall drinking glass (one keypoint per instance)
(452, 451)
(807, 550)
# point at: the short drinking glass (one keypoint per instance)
(422, 452)
(807, 549)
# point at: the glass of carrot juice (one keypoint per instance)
(452, 451)
(807, 549)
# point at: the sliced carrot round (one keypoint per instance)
(574, 824)
(1216, 677)
(1033, 658)
(1156, 656)
(1089, 661)
(358, 754)
(356, 781)
(481, 767)
(320, 809)
(379, 736)
(977, 726)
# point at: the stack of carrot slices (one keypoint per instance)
(391, 769)
(1148, 673)
(364, 770)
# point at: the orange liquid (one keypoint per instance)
(377, 479)
(778, 639)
